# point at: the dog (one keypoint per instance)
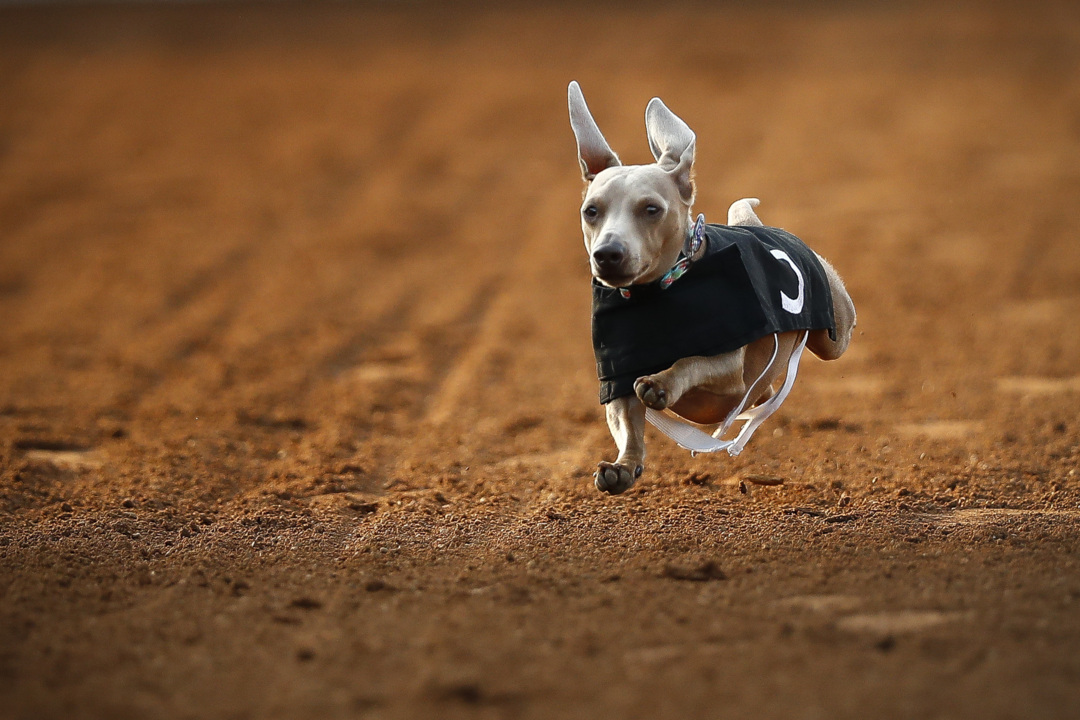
(640, 235)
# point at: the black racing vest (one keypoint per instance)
(750, 282)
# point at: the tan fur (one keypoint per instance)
(634, 221)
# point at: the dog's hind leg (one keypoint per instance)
(626, 421)
(742, 212)
(843, 313)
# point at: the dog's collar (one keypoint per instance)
(694, 240)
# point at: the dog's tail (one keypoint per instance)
(742, 212)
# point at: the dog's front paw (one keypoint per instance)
(614, 478)
(651, 393)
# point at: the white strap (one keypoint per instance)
(684, 434)
(737, 410)
(696, 441)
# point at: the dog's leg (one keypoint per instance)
(626, 420)
(819, 342)
(719, 374)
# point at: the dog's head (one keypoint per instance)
(635, 218)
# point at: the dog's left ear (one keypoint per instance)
(672, 143)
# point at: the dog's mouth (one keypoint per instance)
(623, 279)
(615, 280)
(617, 277)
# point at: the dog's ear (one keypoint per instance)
(672, 143)
(594, 153)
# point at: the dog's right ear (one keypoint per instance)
(594, 153)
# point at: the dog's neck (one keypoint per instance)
(693, 248)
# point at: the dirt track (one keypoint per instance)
(297, 404)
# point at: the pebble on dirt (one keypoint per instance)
(766, 480)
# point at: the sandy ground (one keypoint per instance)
(297, 407)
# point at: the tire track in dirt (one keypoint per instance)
(517, 293)
(193, 318)
(387, 310)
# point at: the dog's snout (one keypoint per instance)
(609, 255)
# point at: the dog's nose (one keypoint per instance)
(609, 255)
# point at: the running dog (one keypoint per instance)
(693, 319)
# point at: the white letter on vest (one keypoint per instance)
(792, 304)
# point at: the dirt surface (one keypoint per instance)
(297, 407)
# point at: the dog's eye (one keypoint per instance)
(652, 210)
(591, 212)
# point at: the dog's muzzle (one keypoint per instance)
(609, 257)
(609, 263)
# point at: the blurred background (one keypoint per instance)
(294, 310)
(217, 181)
